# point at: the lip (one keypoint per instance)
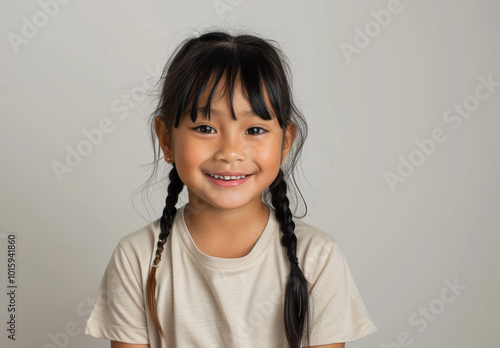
(229, 183)
(228, 173)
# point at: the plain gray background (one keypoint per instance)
(68, 68)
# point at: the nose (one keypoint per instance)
(230, 149)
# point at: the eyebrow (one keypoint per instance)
(218, 112)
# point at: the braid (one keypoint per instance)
(296, 294)
(166, 221)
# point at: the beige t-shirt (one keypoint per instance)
(206, 301)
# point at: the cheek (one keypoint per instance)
(273, 149)
(187, 157)
(186, 154)
(269, 155)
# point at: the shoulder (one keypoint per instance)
(318, 253)
(141, 239)
(134, 251)
(310, 237)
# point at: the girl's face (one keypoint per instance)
(226, 163)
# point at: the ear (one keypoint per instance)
(290, 133)
(163, 137)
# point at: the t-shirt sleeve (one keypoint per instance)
(119, 313)
(338, 312)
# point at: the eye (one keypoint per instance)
(255, 130)
(205, 129)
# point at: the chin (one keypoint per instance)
(230, 202)
(227, 199)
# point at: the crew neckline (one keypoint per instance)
(221, 262)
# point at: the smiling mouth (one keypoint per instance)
(227, 177)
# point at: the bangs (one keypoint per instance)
(230, 63)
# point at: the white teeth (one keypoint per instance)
(227, 177)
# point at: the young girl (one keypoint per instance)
(229, 268)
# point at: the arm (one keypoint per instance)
(333, 345)
(119, 313)
(115, 344)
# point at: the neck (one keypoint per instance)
(226, 233)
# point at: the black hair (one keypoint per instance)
(258, 64)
